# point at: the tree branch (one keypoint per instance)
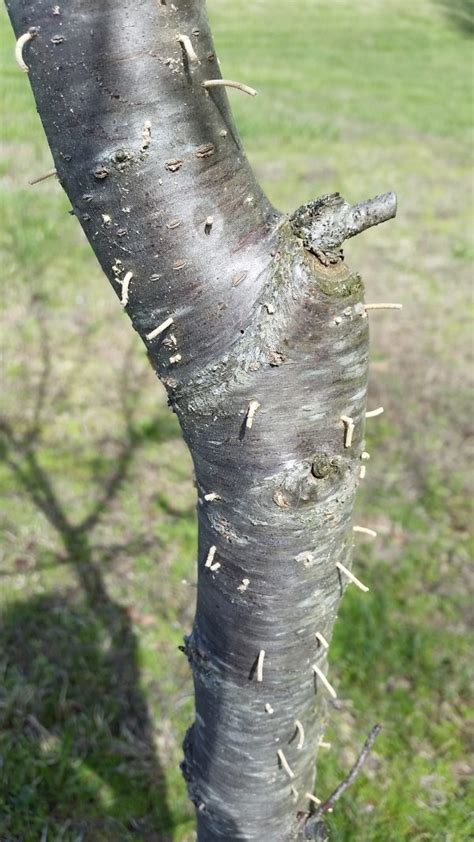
(311, 828)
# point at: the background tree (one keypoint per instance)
(308, 242)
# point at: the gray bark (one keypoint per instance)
(264, 311)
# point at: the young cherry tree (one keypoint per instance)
(259, 332)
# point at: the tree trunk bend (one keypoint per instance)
(258, 330)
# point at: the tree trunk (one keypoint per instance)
(258, 331)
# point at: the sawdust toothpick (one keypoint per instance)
(300, 730)
(364, 530)
(352, 578)
(188, 48)
(125, 287)
(322, 640)
(324, 681)
(229, 83)
(46, 175)
(285, 765)
(252, 408)
(22, 40)
(384, 306)
(349, 429)
(160, 329)
(374, 412)
(210, 556)
(312, 798)
(211, 497)
(261, 657)
(244, 585)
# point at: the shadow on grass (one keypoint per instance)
(459, 12)
(79, 761)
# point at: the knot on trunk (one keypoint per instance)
(309, 481)
(186, 764)
(194, 655)
(198, 660)
(187, 769)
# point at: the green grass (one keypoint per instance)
(97, 564)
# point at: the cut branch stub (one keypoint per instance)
(325, 223)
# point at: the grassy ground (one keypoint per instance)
(97, 563)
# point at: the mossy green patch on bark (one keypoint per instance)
(335, 280)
